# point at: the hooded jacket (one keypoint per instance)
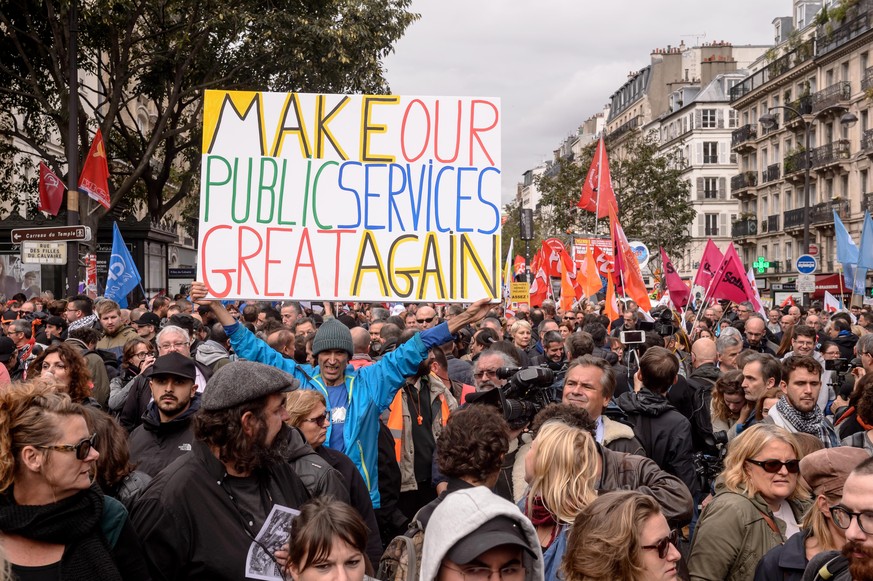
(317, 475)
(663, 432)
(212, 354)
(155, 444)
(846, 342)
(461, 513)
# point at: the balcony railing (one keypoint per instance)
(868, 202)
(842, 31)
(867, 81)
(792, 218)
(831, 153)
(777, 118)
(626, 127)
(773, 223)
(830, 96)
(824, 213)
(747, 227)
(803, 105)
(773, 70)
(867, 140)
(745, 133)
(795, 162)
(771, 173)
(746, 179)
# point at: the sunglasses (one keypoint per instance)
(82, 449)
(774, 466)
(319, 420)
(663, 546)
(425, 321)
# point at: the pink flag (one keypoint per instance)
(756, 298)
(712, 257)
(679, 291)
(730, 280)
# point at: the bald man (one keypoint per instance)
(361, 343)
(426, 318)
(703, 376)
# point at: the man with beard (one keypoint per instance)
(166, 433)
(797, 410)
(853, 514)
(199, 516)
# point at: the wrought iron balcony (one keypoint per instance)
(824, 213)
(777, 68)
(795, 162)
(867, 141)
(867, 81)
(803, 105)
(773, 223)
(771, 173)
(778, 121)
(743, 135)
(830, 96)
(834, 34)
(624, 128)
(830, 153)
(792, 218)
(743, 180)
(747, 227)
(868, 202)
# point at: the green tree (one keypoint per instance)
(652, 195)
(144, 65)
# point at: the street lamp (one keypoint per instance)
(768, 120)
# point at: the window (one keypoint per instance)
(710, 152)
(863, 180)
(732, 118)
(711, 225)
(708, 118)
(710, 188)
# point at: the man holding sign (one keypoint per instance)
(355, 398)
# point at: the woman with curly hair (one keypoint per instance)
(626, 519)
(728, 405)
(55, 523)
(760, 487)
(561, 470)
(64, 367)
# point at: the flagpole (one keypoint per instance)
(842, 291)
(73, 149)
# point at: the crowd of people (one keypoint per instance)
(201, 439)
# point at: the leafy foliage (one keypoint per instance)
(143, 67)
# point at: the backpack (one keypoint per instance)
(401, 560)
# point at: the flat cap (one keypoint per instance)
(244, 381)
(826, 470)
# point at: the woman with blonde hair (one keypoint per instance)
(626, 519)
(759, 501)
(561, 471)
(729, 406)
(522, 337)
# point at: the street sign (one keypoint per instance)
(813, 249)
(806, 264)
(806, 283)
(52, 234)
(44, 252)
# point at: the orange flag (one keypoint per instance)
(589, 277)
(612, 310)
(568, 294)
(94, 180)
(631, 276)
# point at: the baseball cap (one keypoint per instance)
(173, 363)
(499, 531)
(148, 319)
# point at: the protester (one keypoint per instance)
(626, 519)
(137, 356)
(65, 369)
(55, 523)
(759, 486)
(521, 334)
(729, 406)
(147, 326)
(99, 363)
(797, 410)
(115, 332)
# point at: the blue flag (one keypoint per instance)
(123, 275)
(865, 252)
(859, 287)
(847, 250)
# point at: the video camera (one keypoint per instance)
(664, 324)
(526, 393)
(841, 367)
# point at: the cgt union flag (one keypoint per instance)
(51, 191)
(94, 180)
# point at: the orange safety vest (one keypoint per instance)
(395, 420)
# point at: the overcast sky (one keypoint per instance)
(554, 63)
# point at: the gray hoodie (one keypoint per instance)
(460, 514)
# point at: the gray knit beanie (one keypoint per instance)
(333, 335)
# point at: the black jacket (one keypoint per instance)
(139, 396)
(664, 432)
(190, 527)
(846, 343)
(786, 562)
(155, 445)
(319, 478)
(701, 381)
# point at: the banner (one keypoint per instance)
(123, 276)
(350, 197)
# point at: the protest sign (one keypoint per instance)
(350, 197)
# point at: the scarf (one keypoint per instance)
(73, 522)
(86, 321)
(538, 514)
(808, 423)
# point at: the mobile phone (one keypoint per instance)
(629, 337)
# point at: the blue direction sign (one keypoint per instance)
(806, 264)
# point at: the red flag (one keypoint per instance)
(597, 193)
(94, 180)
(679, 291)
(518, 266)
(631, 276)
(788, 302)
(709, 262)
(540, 289)
(730, 280)
(612, 310)
(51, 191)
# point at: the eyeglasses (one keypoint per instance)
(774, 466)
(483, 372)
(425, 321)
(82, 449)
(319, 420)
(842, 517)
(508, 573)
(663, 546)
(176, 345)
(143, 354)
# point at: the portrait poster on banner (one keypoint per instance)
(350, 197)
